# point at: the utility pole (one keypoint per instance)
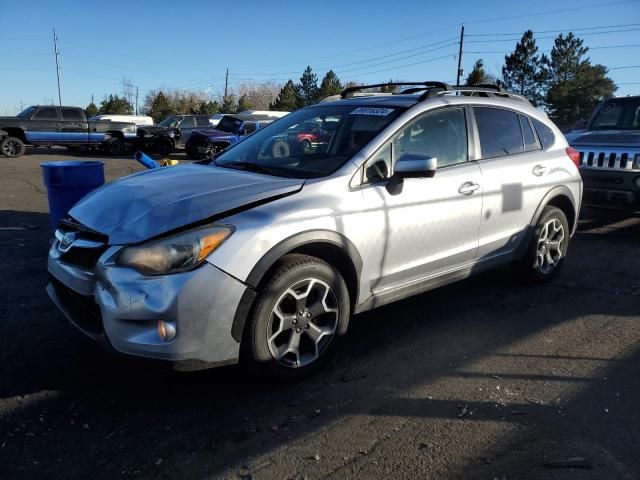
(226, 83)
(21, 105)
(460, 57)
(136, 100)
(57, 53)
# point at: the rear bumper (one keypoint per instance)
(618, 189)
(120, 308)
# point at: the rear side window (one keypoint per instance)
(545, 134)
(46, 114)
(499, 132)
(202, 121)
(530, 142)
(71, 114)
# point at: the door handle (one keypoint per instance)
(468, 188)
(539, 170)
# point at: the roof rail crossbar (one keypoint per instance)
(348, 92)
(490, 91)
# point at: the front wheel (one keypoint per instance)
(548, 246)
(192, 151)
(296, 319)
(12, 147)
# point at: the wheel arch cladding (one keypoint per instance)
(565, 204)
(332, 247)
(13, 132)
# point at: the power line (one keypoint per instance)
(549, 50)
(553, 36)
(554, 31)
(626, 66)
(452, 55)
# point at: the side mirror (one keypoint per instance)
(413, 165)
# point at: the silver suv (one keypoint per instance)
(265, 252)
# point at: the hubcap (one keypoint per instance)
(11, 148)
(302, 323)
(550, 244)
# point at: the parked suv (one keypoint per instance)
(170, 134)
(609, 150)
(266, 257)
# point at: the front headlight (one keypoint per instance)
(176, 253)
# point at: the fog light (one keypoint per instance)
(166, 330)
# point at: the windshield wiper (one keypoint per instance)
(251, 167)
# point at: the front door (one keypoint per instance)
(430, 227)
(44, 126)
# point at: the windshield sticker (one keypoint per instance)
(381, 112)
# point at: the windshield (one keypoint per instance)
(170, 121)
(312, 142)
(229, 124)
(27, 112)
(618, 114)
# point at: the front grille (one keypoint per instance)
(611, 159)
(82, 257)
(83, 309)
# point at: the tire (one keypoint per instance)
(164, 146)
(12, 147)
(548, 247)
(314, 307)
(192, 152)
(280, 148)
(114, 146)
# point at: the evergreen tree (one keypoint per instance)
(288, 99)
(330, 85)
(208, 108)
(159, 106)
(229, 104)
(388, 88)
(115, 105)
(524, 71)
(477, 75)
(308, 87)
(91, 110)
(244, 104)
(575, 86)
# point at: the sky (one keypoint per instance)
(190, 44)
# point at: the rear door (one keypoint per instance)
(514, 169)
(73, 126)
(187, 126)
(44, 126)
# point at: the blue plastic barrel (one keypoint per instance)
(67, 183)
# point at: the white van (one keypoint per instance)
(137, 119)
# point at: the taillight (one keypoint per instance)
(574, 155)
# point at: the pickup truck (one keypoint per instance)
(48, 125)
(609, 150)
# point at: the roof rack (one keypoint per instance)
(485, 89)
(349, 92)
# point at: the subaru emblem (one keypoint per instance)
(66, 241)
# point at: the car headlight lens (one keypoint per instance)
(176, 253)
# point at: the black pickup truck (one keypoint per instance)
(48, 125)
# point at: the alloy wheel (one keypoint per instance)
(550, 245)
(11, 148)
(303, 323)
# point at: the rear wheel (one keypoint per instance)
(114, 146)
(297, 317)
(12, 147)
(548, 246)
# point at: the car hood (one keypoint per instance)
(155, 129)
(628, 138)
(213, 133)
(150, 203)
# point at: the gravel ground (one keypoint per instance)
(484, 379)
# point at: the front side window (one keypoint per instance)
(249, 127)
(46, 114)
(499, 132)
(172, 121)
(378, 168)
(309, 143)
(188, 122)
(441, 134)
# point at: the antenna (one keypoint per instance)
(57, 54)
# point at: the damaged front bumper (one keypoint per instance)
(122, 308)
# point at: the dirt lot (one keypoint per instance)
(483, 379)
